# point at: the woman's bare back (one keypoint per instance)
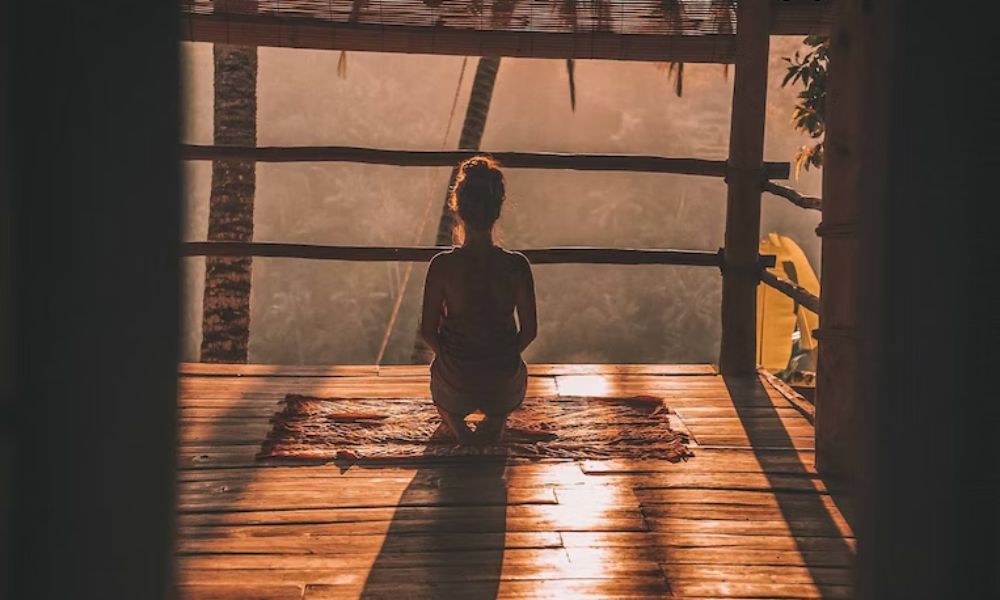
(471, 297)
(480, 283)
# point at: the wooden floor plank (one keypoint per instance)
(680, 479)
(695, 572)
(529, 517)
(648, 587)
(344, 497)
(746, 516)
(240, 591)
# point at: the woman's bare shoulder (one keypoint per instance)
(516, 261)
(442, 262)
(444, 257)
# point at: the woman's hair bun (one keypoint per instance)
(481, 166)
(478, 193)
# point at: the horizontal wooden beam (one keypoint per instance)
(538, 256)
(291, 32)
(791, 289)
(450, 158)
(807, 202)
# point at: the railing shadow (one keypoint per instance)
(447, 536)
(817, 534)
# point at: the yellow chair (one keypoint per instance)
(777, 314)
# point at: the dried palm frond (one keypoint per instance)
(673, 13)
(570, 68)
(342, 65)
(676, 71)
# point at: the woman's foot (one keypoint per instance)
(456, 426)
(490, 430)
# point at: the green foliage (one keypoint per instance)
(809, 114)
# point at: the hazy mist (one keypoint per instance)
(314, 312)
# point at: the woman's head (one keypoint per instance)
(477, 196)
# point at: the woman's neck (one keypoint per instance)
(477, 241)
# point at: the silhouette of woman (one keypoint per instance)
(470, 298)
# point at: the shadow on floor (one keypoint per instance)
(808, 517)
(447, 536)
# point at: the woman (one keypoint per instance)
(470, 297)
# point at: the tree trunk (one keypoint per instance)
(471, 138)
(226, 307)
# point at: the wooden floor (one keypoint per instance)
(746, 517)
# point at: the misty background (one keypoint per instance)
(324, 312)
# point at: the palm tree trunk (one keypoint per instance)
(472, 132)
(470, 139)
(226, 306)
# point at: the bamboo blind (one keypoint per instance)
(642, 17)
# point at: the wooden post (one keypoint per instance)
(853, 148)
(746, 151)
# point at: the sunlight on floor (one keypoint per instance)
(585, 385)
(591, 506)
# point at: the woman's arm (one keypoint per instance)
(430, 318)
(524, 298)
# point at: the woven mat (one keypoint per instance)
(563, 427)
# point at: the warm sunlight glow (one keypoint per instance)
(591, 505)
(584, 385)
(593, 551)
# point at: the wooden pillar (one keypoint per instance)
(746, 151)
(906, 399)
(849, 159)
(928, 304)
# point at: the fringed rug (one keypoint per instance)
(581, 428)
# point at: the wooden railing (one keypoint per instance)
(744, 170)
(807, 202)
(557, 255)
(541, 256)
(791, 289)
(450, 158)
